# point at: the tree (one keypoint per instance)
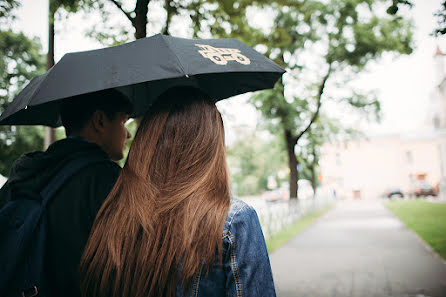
(323, 130)
(112, 34)
(137, 17)
(197, 12)
(20, 60)
(322, 44)
(252, 159)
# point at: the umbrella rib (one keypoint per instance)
(41, 85)
(178, 59)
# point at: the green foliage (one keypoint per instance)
(70, 6)
(320, 43)
(20, 60)
(252, 159)
(427, 219)
(111, 35)
(112, 30)
(367, 104)
(350, 42)
(15, 141)
(441, 20)
(6, 6)
(225, 19)
(394, 7)
(273, 105)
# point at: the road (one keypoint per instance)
(358, 249)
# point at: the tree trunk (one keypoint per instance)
(50, 133)
(319, 103)
(170, 11)
(50, 55)
(313, 178)
(140, 21)
(314, 162)
(292, 163)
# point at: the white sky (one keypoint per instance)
(404, 84)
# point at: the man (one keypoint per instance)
(95, 125)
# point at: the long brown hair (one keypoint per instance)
(167, 210)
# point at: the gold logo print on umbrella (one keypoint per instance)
(221, 56)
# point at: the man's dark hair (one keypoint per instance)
(75, 112)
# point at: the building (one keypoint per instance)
(367, 168)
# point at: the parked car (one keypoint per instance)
(393, 192)
(424, 189)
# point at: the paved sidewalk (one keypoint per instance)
(358, 249)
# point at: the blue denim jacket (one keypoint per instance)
(246, 270)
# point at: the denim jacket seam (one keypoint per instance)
(238, 284)
(228, 236)
(196, 282)
(235, 214)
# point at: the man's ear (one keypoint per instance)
(98, 120)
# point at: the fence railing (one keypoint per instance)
(275, 216)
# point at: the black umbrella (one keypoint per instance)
(142, 70)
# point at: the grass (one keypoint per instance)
(427, 219)
(285, 235)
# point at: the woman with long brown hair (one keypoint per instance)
(169, 227)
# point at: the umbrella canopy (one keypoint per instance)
(142, 70)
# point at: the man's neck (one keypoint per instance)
(85, 136)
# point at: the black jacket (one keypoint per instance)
(71, 211)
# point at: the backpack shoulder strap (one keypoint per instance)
(65, 173)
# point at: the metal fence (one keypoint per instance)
(275, 216)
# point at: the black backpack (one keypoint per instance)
(23, 234)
